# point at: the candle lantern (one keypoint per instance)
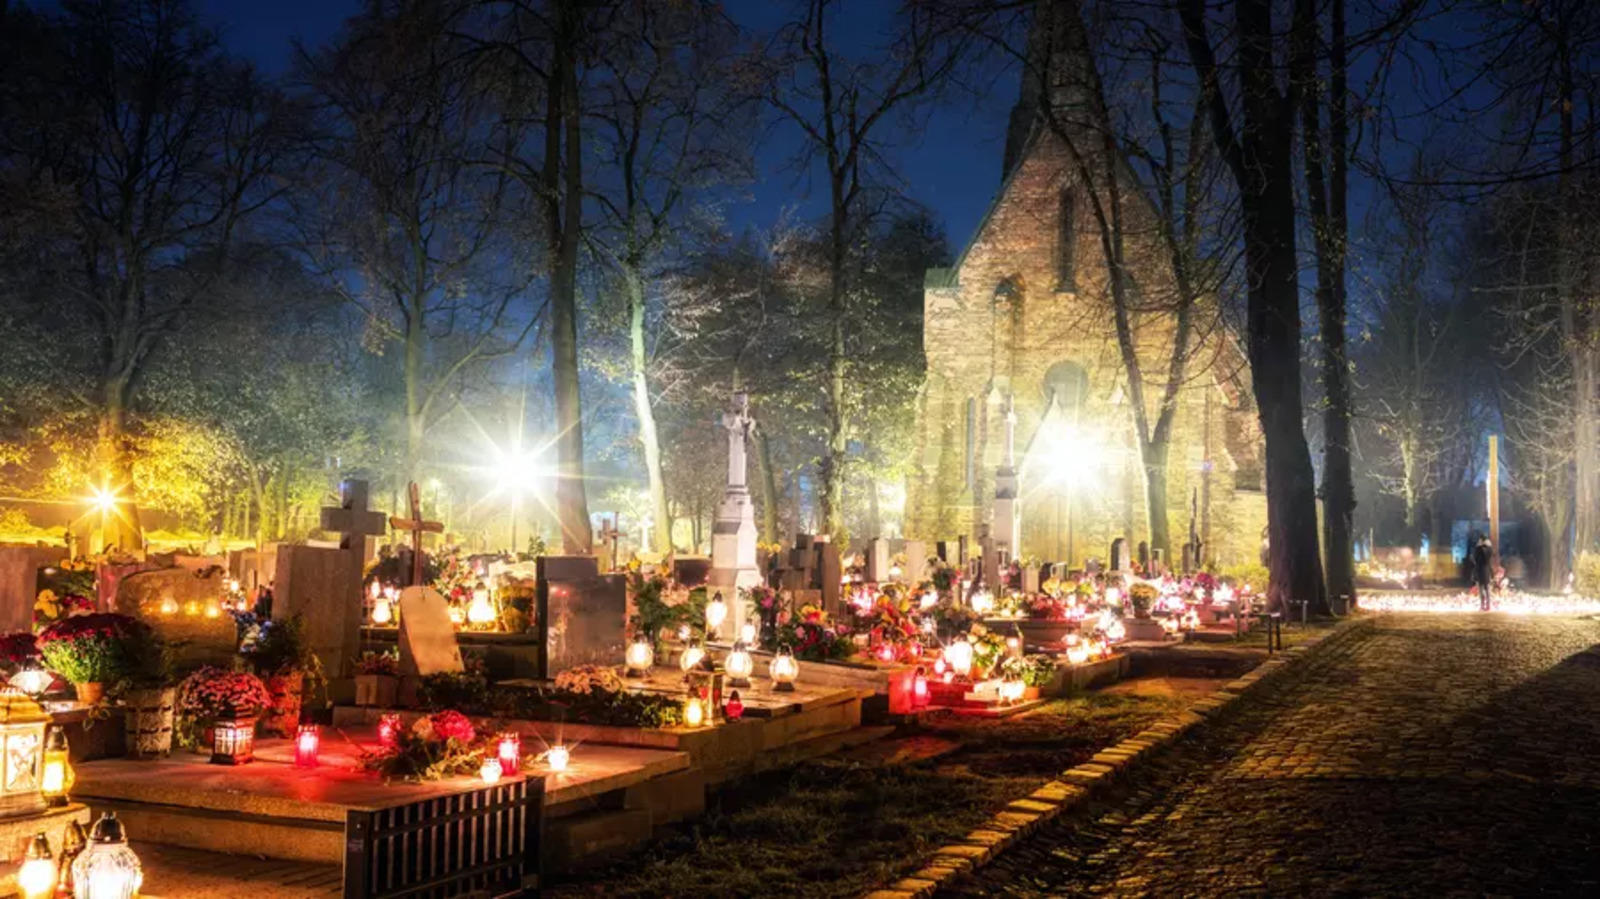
(480, 613)
(557, 757)
(56, 777)
(739, 665)
(32, 679)
(919, 689)
(107, 868)
(747, 633)
(509, 752)
(234, 742)
(36, 877)
(382, 611)
(640, 658)
(784, 670)
(734, 710)
(959, 655)
(716, 613)
(489, 772)
(694, 712)
(73, 839)
(691, 658)
(307, 740)
(22, 727)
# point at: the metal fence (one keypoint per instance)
(482, 842)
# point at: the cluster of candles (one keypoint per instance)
(192, 608)
(99, 866)
(480, 611)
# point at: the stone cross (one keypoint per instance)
(417, 527)
(738, 422)
(352, 519)
(611, 535)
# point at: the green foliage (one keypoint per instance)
(1253, 573)
(1586, 574)
(467, 691)
(652, 616)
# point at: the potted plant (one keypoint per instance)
(378, 678)
(283, 659)
(149, 697)
(224, 705)
(89, 650)
(1142, 597)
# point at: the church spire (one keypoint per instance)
(1057, 57)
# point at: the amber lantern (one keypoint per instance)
(58, 777)
(235, 742)
(694, 712)
(36, 877)
(22, 726)
(784, 669)
(640, 657)
(739, 666)
(73, 839)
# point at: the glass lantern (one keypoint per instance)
(32, 679)
(784, 670)
(716, 613)
(22, 726)
(36, 876)
(640, 658)
(508, 751)
(234, 742)
(107, 868)
(691, 658)
(739, 665)
(57, 776)
(307, 740)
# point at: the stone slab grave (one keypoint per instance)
(581, 614)
(194, 624)
(830, 576)
(19, 580)
(916, 567)
(877, 561)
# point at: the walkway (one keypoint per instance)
(1423, 754)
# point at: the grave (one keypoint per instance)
(733, 533)
(184, 607)
(19, 582)
(830, 576)
(916, 561)
(427, 639)
(877, 561)
(1119, 557)
(690, 571)
(580, 614)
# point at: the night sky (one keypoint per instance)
(953, 167)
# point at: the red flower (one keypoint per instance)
(452, 725)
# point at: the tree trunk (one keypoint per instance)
(121, 522)
(563, 183)
(649, 441)
(258, 491)
(769, 488)
(833, 460)
(1155, 496)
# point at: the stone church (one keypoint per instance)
(1021, 348)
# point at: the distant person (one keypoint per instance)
(1483, 571)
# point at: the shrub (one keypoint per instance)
(89, 648)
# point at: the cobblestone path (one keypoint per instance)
(1417, 755)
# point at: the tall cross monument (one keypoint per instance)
(733, 535)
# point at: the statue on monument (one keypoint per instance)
(739, 424)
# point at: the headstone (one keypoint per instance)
(1158, 562)
(354, 521)
(184, 607)
(691, 571)
(1030, 579)
(19, 582)
(323, 587)
(877, 561)
(947, 551)
(1119, 555)
(1144, 557)
(581, 614)
(733, 533)
(961, 552)
(1092, 566)
(831, 576)
(916, 561)
(427, 638)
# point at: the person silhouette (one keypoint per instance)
(1483, 571)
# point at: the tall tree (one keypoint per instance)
(400, 215)
(666, 116)
(129, 127)
(1259, 152)
(841, 106)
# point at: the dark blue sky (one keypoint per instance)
(952, 166)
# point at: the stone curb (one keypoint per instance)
(1074, 787)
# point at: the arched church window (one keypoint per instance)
(1068, 383)
(1066, 242)
(1007, 294)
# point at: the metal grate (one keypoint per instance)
(482, 842)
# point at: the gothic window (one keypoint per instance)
(1068, 382)
(1066, 242)
(971, 443)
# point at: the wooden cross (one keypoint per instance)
(352, 519)
(610, 533)
(417, 527)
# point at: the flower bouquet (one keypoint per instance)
(89, 650)
(224, 705)
(50, 607)
(816, 639)
(440, 745)
(18, 651)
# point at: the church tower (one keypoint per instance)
(1057, 57)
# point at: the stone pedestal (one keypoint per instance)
(733, 556)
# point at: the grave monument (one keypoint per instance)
(1007, 528)
(733, 535)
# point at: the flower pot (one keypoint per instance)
(379, 690)
(233, 741)
(1030, 693)
(91, 692)
(149, 722)
(284, 717)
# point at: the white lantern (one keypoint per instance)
(784, 670)
(983, 602)
(36, 878)
(1077, 652)
(490, 772)
(1113, 596)
(640, 657)
(691, 658)
(959, 655)
(557, 757)
(747, 633)
(382, 611)
(480, 612)
(716, 613)
(107, 868)
(929, 599)
(32, 679)
(22, 726)
(739, 665)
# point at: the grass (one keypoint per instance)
(841, 825)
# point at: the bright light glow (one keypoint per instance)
(691, 658)
(694, 712)
(306, 742)
(1511, 602)
(784, 670)
(716, 613)
(1077, 653)
(640, 657)
(929, 599)
(169, 606)
(36, 878)
(516, 472)
(104, 500)
(489, 772)
(747, 633)
(557, 758)
(1066, 456)
(382, 612)
(983, 602)
(509, 753)
(959, 655)
(739, 665)
(32, 680)
(481, 611)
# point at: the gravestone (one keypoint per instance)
(1119, 555)
(916, 561)
(1158, 563)
(19, 582)
(877, 561)
(1144, 557)
(830, 574)
(581, 614)
(1030, 579)
(962, 558)
(689, 571)
(194, 625)
(427, 638)
(358, 526)
(733, 533)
